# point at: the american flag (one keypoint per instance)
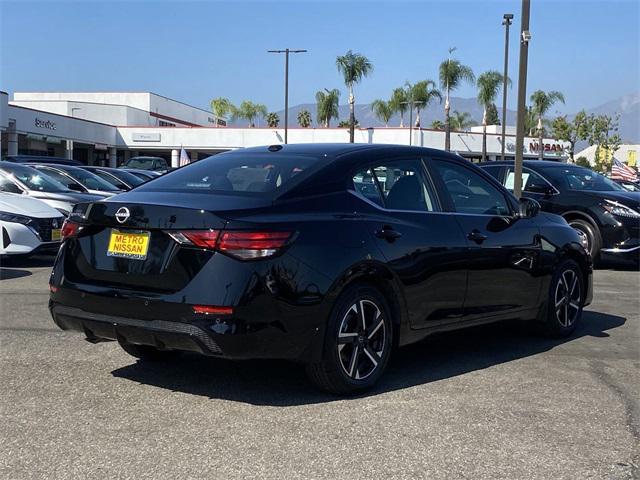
(184, 158)
(620, 171)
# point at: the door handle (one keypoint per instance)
(476, 236)
(388, 233)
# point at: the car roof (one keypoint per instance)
(337, 149)
(529, 163)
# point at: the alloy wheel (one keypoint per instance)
(567, 298)
(362, 339)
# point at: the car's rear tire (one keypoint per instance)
(566, 300)
(594, 241)
(357, 345)
(146, 352)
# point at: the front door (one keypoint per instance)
(503, 249)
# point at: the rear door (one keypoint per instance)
(424, 247)
(503, 250)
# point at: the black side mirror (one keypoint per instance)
(528, 208)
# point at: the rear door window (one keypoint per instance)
(397, 185)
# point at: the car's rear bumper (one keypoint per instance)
(172, 327)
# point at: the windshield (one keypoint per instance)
(33, 179)
(144, 163)
(249, 174)
(578, 178)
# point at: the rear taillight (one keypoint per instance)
(69, 229)
(239, 244)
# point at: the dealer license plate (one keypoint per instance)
(132, 245)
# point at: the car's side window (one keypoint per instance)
(396, 185)
(7, 185)
(469, 191)
(63, 179)
(531, 181)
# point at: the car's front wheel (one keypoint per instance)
(566, 300)
(591, 233)
(357, 345)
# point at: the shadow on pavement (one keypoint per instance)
(279, 383)
(15, 266)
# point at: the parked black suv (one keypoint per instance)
(156, 164)
(607, 213)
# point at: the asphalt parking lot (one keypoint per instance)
(494, 402)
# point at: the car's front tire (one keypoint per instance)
(566, 300)
(592, 234)
(358, 343)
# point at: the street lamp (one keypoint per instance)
(525, 37)
(286, 52)
(507, 17)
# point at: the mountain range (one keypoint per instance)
(627, 106)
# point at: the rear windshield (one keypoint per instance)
(250, 174)
(33, 179)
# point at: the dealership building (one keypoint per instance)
(106, 128)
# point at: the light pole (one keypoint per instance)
(525, 37)
(411, 104)
(507, 17)
(286, 52)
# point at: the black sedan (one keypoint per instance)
(118, 177)
(329, 255)
(605, 212)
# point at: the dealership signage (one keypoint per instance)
(48, 124)
(548, 147)
(145, 137)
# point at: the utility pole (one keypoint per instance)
(286, 52)
(507, 17)
(525, 37)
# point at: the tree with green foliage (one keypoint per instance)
(327, 105)
(603, 133)
(304, 118)
(452, 74)
(398, 101)
(571, 131)
(221, 107)
(272, 119)
(353, 67)
(249, 111)
(347, 123)
(382, 110)
(437, 125)
(421, 94)
(492, 115)
(583, 162)
(461, 121)
(541, 103)
(489, 84)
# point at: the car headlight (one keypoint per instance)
(615, 208)
(14, 218)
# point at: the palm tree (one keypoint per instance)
(461, 121)
(489, 84)
(452, 74)
(437, 125)
(249, 111)
(421, 94)
(304, 118)
(327, 105)
(542, 102)
(353, 67)
(221, 107)
(272, 119)
(382, 110)
(399, 103)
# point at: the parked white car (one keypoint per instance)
(28, 225)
